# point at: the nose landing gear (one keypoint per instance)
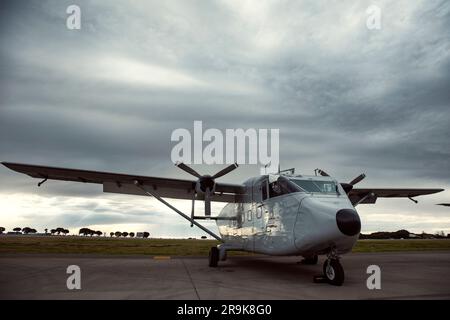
(333, 272)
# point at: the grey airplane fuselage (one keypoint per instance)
(296, 223)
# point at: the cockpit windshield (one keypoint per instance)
(283, 185)
(316, 186)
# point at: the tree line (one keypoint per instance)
(89, 232)
(403, 234)
(82, 231)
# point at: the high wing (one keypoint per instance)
(124, 183)
(367, 195)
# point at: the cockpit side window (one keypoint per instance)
(282, 186)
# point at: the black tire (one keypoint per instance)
(333, 272)
(312, 260)
(213, 257)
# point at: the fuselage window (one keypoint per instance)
(259, 212)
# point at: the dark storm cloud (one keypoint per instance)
(107, 97)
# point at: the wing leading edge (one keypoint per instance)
(124, 183)
(367, 195)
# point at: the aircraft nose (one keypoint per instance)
(348, 222)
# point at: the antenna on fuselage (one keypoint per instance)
(321, 172)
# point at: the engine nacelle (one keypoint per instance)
(205, 182)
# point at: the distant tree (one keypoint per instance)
(84, 231)
(131, 234)
(203, 237)
(111, 234)
(17, 229)
(439, 234)
(66, 232)
(400, 234)
(146, 234)
(125, 234)
(2, 230)
(60, 230)
(53, 231)
(118, 233)
(26, 230)
(98, 233)
(33, 231)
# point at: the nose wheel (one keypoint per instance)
(333, 272)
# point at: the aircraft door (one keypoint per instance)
(259, 210)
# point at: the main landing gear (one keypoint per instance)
(217, 254)
(333, 272)
(213, 257)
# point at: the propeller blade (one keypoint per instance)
(347, 187)
(225, 171)
(189, 170)
(358, 179)
(207, 203)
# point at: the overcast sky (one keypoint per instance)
(107, 97)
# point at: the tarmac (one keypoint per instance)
(412, 275)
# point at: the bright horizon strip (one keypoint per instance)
(161, 222)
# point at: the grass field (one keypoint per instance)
(173, 247)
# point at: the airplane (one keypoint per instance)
(280, 214)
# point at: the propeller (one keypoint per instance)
(358, 179)
(205, 184)
(189, 170)
(349, 186)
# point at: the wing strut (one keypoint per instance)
(40, 183)
(413, 200)
(191, 220)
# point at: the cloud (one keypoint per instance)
(107, 97)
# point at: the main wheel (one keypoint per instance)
(333, 271)
(213, 257)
